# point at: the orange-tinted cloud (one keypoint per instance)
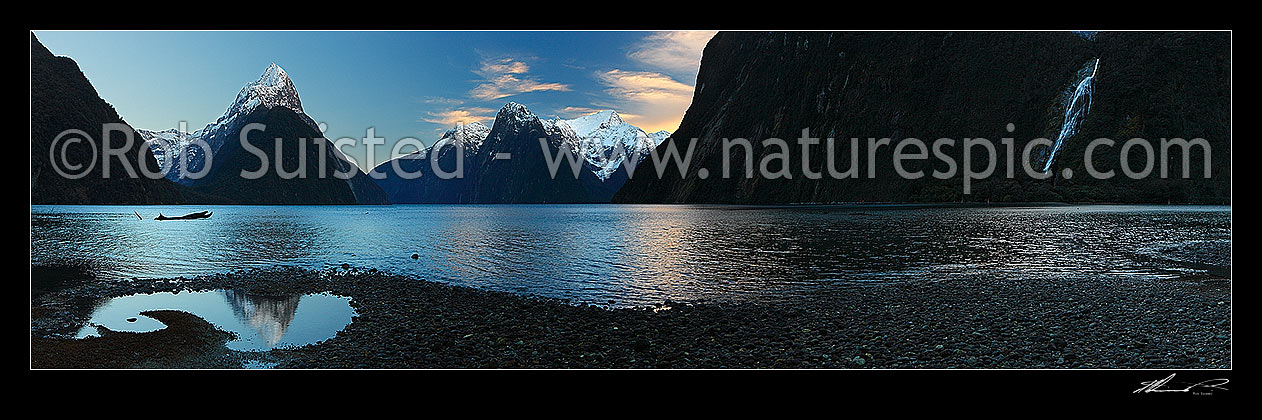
(649, 100)
(675, 52)
(506, 77)
(467, 115)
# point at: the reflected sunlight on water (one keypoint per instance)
(645, 254)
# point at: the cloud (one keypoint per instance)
(501, 77)
(652, 101)
(653, 97)
(506, 77)
(442, 101)
(674, 52)
(466, 115)
(504, 66)
(643, 85)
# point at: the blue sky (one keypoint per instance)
(405, 84)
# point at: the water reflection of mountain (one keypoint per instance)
(269, 315)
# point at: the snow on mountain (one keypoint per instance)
(517, 113)
(605, 140)
(161, 140)
(659, 137)
(596, 137)
(170, 134)
(469, 136)
(272, 89)
(602, 141)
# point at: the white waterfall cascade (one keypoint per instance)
(1075, 113)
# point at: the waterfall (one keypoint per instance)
(1075, 112)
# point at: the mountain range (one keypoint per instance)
(755, 85)
(598, 143)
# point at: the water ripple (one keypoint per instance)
(646, 254)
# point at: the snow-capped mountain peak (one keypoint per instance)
(273, 88)
(515, 116)
(470, 136)
(515, 112)
(274, 75)
(659, 136)
(600, 136)
(592, 122)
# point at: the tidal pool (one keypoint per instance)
(260, 322)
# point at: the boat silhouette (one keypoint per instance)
(198, 215)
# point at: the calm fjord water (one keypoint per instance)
(637, 255)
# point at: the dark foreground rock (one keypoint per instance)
(51, 278)
(187, 341)
(973, 323)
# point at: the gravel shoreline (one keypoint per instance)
(404, 322)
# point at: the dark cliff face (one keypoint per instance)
(525, 178)
(1158, 85)
(929, 85)
(63, 99)
(319, 185)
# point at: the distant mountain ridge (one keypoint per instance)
(599, 141)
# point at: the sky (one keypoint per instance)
(403, 84)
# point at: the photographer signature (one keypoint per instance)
(1205, 387)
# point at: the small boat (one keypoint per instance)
(198, 215)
